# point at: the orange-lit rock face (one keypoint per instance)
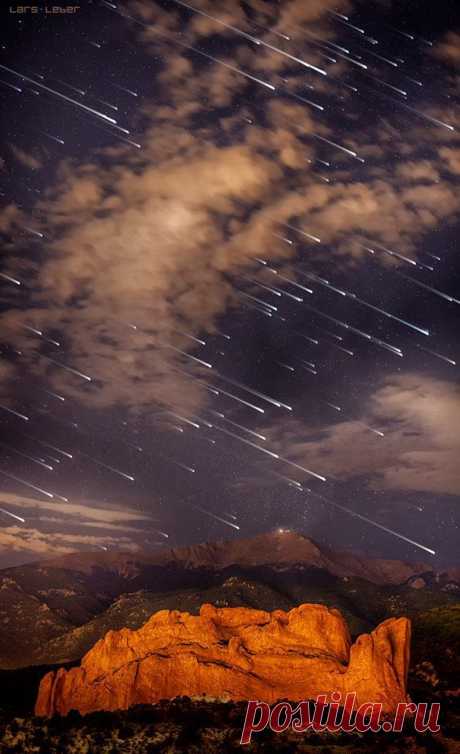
(234, 653)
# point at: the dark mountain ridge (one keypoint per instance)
(53, 611)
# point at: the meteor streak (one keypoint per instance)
(223, 335)
(403, 33)
(240, 426)
(48, 455)
(240, 400)
(421, 330)
(210, 57)
(391, 253)
(323, 282)
(302, 468)
(53, 447)
(13, 515)
(338, 146)
(291, 482)
(332, 405)
(25, 455)
(68, 369)
(217, 392)
(324, 42)
(10, 279)
(270, 453)
(341, 348)
(288, 280)
(39, 332)
(390, 86)
(123, 88)
(373, 523)
(59, 94)
(265, 287)
(351, 60)
(371, 429)
(286, 240)
(306, 101)
(381, 57)
(430, 118)
(107, 104)
(302, 232)
(11, 86)
(331, 334)
(258, 300)
(247, 442)
(74, 88)
(34, 232)
(344, 20)
(264, 397)
(184, 419)
(213, 515)
(192, 337)
(188, 355)
(361, 333)
(289, 295)
(54, 395)
(32, 486)
(16, 413)
(311, 340)
(255, 40)
(438, 355)
(106, 466)
(218, 21)
(445, 296)
(356, 298)
(54, 138)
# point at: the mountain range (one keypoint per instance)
(53, 611)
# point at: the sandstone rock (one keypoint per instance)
(234, 653)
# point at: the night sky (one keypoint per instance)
(230, 294)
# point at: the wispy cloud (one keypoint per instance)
(419, 417)
(49, 528)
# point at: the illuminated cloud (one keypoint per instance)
(449, 49)
(24, 158)
(40, 543)
(419, 452)
(51, 529)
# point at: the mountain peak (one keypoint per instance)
(278, 547)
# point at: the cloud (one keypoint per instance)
(419, 451)
(62, 529)
(33, 541)
(93, 512)
(93, 525)
(413, 172)
(448, 49)
(451, 157)
(24, 158)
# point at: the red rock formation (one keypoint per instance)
(234, 653)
